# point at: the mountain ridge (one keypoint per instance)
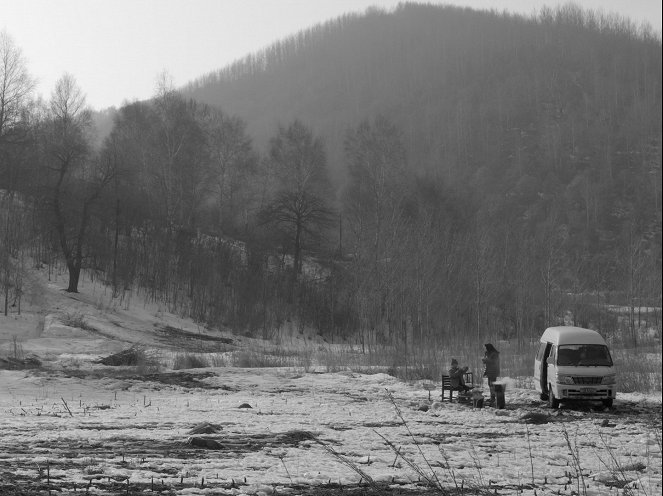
(418, 65)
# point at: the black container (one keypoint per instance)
(499, 388)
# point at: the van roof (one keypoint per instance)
(571, 335)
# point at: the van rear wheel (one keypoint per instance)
(552, 401)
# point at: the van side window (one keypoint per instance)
(553, 354)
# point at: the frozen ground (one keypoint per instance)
(76, 425)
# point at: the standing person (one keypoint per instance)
(491, 368)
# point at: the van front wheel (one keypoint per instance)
(607, 403)
(552, 401)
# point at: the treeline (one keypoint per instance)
(406, 178)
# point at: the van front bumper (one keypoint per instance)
(586, 393)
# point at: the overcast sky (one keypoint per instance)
(116, 48)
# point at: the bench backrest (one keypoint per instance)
(468, 376)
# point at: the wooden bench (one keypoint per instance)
(446, 385)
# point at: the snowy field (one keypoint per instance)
(76, 426)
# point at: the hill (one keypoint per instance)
(469, 89)
(537, 138)
(492, 175)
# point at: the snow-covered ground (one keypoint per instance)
(76, 425)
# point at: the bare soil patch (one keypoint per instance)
(181, 338)
(188, 380)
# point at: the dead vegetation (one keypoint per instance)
(11, 363)
(129, 357)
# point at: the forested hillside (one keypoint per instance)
(400, 178)
(540, 137)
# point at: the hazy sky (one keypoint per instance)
(116, 48)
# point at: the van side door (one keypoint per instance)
(541, 366)
(551, 366)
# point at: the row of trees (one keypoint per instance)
(179, 203)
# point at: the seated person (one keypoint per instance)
(457, 377)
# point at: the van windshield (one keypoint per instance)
(589, 355)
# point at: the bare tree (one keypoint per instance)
(16, 87)
(550, 247)
(77, 177)
(233, 164)
(300, 205)
(376, 162)
(373, 206)
(178, 159)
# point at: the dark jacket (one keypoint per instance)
(456, 376)
(491, 362)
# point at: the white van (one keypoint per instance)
(574, 364)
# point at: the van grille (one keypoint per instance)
(587, 380)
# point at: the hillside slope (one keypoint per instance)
(468, 89)
(54, 323)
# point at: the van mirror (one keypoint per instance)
(550, 360)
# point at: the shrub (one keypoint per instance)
(76, 320)
(133, 357)
(189, 361)
(252, 359)
(638, 370)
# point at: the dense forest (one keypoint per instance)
(400, 178)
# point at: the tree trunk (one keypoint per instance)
(115, 243)
(74, 275)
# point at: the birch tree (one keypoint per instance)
(16, 87)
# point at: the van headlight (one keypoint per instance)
(608, 379)
(565, 379)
